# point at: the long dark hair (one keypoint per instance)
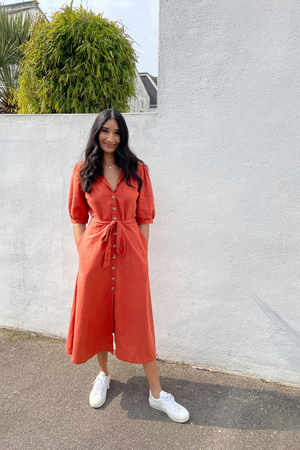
(92, 167)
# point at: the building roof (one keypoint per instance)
(14, 8)
(150, 84)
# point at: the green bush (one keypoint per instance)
(79, 62)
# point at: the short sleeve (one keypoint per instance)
(77, 204)
(145, 211)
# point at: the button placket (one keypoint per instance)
(114, 244)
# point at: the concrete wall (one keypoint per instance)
(223, 152)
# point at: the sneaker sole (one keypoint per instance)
(175, 419)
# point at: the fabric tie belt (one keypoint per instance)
(106, 237)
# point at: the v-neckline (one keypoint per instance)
(118, 180)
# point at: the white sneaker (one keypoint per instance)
(166, 403)
(98, 393)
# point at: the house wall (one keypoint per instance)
(223, 154)
(32, 12)
(141, 95)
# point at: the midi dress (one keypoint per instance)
(112, 297)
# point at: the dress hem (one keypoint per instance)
(112, 353)
(87, 359)
(134, 362)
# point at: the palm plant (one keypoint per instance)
(14, 32)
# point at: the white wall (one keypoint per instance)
(229, 107)
(223, 152)
(38, 254)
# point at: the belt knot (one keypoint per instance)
(121, 247)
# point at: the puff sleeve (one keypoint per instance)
(145, 211)
(77, 204)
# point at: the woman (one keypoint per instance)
(112, 293)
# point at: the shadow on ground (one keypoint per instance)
(215, 405)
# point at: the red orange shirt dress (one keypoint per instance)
(112, 291)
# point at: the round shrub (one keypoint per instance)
(79, 62)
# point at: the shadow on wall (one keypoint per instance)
(287, 340)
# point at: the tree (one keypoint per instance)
(79, 62)
(14, 32)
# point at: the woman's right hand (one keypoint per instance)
(78, 229)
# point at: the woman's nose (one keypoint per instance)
(110, 138)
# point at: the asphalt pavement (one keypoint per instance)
(44, 405)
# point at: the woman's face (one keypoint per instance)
(109, 136)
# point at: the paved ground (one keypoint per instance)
(44, 405)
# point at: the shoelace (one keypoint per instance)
(169, 398)
(100, 383)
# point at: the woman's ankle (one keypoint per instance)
(155, 393)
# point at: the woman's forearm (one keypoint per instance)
(145, 230)
(78, 229)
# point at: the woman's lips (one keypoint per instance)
(108, 145)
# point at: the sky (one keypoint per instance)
(140, 17)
